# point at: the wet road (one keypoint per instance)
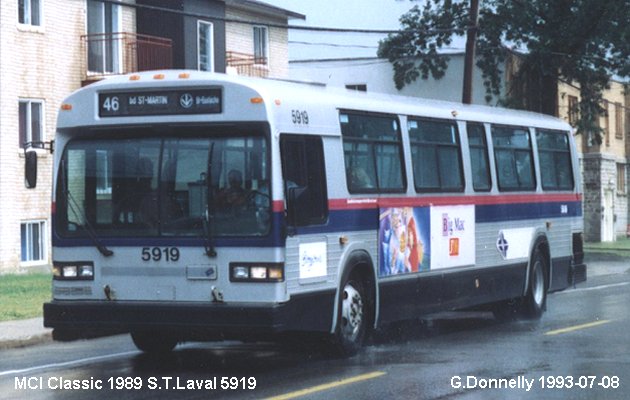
(579, 350)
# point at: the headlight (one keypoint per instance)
(86, 271)
(240, 273)
(73, 271)
(69, 271)
(258, 272)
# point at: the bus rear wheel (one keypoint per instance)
(153, 343)
(535, 300)
(534, 303)
(352, 318)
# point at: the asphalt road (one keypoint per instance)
(580, 349)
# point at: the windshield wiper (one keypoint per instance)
(209, 214)
(76, 210)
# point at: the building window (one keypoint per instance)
(31, 117)
(103, 28)
(606, 124)
(261, 46)
(205, 40)
(618, 121)
(33, 240)
(360, 87)
(573, 110)
(29, 12)
(621, 178)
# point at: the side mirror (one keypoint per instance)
(30, 169)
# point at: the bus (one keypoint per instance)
(193, 206)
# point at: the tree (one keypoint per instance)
(582, 41)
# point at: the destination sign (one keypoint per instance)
(167, 102)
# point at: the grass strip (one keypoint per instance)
(22, 296)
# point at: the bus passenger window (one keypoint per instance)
(478, 148)
(372, 149)
(555, 160)
(435, 153)
(304, 176)
(513, 156)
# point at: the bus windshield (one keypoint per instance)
(165, 186)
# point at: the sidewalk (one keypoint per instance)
(23, 332)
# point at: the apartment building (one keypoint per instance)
(605, 165)
(43, 58)
(258, 49)
(49, 48)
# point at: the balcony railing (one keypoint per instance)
(124, 52)
(247, 64)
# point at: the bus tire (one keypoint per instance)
(535, 301)
(352, 317)
(507, 310)
(153, 343)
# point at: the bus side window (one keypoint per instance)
(478, 157)
(372, 148)
(513, 156)
(304, 176)
(435, 153)
(555, 160)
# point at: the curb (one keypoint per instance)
(23, 332)
(6, 344)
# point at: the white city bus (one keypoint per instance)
(199, 206)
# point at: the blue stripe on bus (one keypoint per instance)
(521, 211)
(365, 219)
(341, 220)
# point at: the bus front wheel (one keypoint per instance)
(352, 318)
(153, 343)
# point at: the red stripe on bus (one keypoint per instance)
(367, 203)
(277, 206)
(373, 202)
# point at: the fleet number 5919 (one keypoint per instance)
(160, 253)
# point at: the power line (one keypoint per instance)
(360, 46)
(238, 20)
(272, 25)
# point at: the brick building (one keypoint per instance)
(49, 48)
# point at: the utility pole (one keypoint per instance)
(469, 59)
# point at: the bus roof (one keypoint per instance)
(243, 96)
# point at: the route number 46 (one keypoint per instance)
(111, 103)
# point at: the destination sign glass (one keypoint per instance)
(165, 102)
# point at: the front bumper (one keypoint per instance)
(87, 319)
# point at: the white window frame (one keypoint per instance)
(28, 14)
(28, 133)
(265, 51)
(209, 47)
(105, 186)
(42, 243)
(116, 52)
